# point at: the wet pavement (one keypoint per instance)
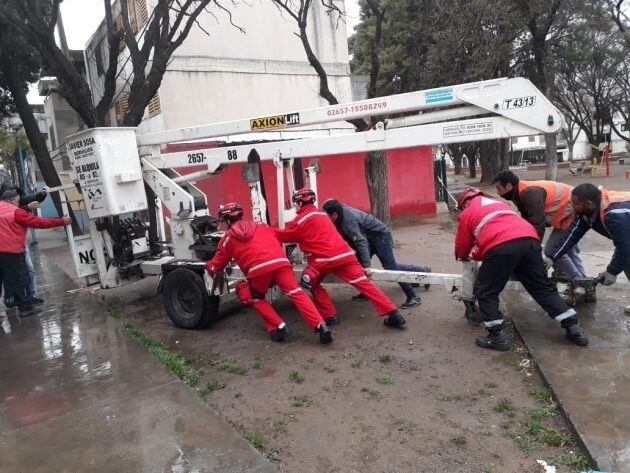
(79, 394)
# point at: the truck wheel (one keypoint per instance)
(186, 300)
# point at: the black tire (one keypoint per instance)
(186, 300)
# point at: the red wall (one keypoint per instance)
(410, 178)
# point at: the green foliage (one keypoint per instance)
(505, 406)
(296, 377)
(232, 367)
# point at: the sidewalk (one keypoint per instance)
(78, 394)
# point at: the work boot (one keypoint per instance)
(334, 320)
(394, 319)
(576, 335)
(359, 297)
(36, 300)
(325, 335)
(279, 334)
(411, 302)
(495, 340)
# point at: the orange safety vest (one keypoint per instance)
(558, 208)
(611, 197)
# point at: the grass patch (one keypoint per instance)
(384, 380)
(194, 379)
(325, 387)
(210, 387)
(490, 385)
(296, 377)
(178, 363)
(355, 364)
(256, 440)
(303, 400)
(450, 397)
(459, 440)
(541, 393)
(329, 369)
(505, 406)
(374, 394)
(441, 412)
(385, 358)
(232, 367)
(114, 311)
(577, 462)
(257, 363)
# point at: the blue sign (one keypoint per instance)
(438, 95)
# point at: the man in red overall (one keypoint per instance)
(506, 244)
(328, 253)
(14, 222)
(258, 254)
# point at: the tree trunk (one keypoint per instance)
(551, 152)
(35, 138)
(493, 158)
(375, 175)
(457, 155)
(472, 164)
(570, 148)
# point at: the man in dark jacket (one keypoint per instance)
(369, 236)
(28, 203)
(608, 213)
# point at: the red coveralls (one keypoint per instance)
(261, 258)
(328, 253)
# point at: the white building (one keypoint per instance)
(231, 74)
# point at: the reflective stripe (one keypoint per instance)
(482, 223)
(565, 315)
(566, 241)
(619, 211)
(334, 258)
(309, 215)
(266, 263)
(493, 323)
(225, 242)
(293, 291)
(362, 278)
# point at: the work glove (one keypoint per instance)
(548, 262)
(606, 278)
(368, 272)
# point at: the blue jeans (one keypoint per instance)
(8, 293)
(570, 264)
(383, 247)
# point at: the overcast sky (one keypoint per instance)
(82, 17)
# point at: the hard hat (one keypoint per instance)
(304, 194)
(467, 194)
(230, 211)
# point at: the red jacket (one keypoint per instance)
(13, 225)
(253, 246)
(318, 238)
(486, 223)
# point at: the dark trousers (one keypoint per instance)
(14, 276)
(523, 258)
(383, 247)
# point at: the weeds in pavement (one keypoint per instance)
(355, 364)
(459, 440)
(303, 400)
(257, 363)
(210, 387)
(296, 377)
(575, 461)
(450, 397)
(385, 380)
(505, 406)
(256, 440)
(232, 367)
(541, 393)
(385, 358)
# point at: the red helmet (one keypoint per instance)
(230, 211)
(467, 194)
(304, 195)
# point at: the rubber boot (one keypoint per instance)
(575, 334)
(394, 319)
(495, 340)
(325, 335)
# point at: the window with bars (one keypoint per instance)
(154, 106)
